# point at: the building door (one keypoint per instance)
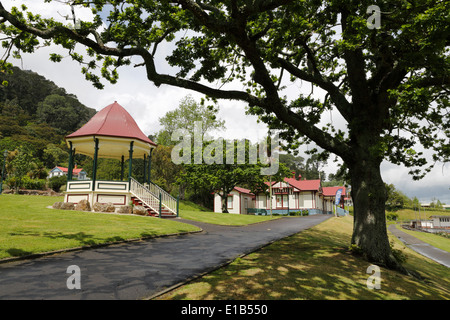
(285, 201)
(279, 201)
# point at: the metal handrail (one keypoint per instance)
(151, 196)
(142, 194)
(167, 200)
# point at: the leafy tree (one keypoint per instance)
(415, 202)
(294, 163)
(185, 116)
(313, 168)
(19, 165)
(221, 176)
(54, 156)
(37, 170)
(183, 119)
(436, 203)
(390, 83)
(163, 171)
(395, 199)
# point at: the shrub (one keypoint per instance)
(55, 183)
(298, 213)
(392, 216)
(13, 183)
(33, 184)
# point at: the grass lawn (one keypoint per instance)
(430, 238)
(27, 226)
(425, 214)
(228, 219)
(191, 211)
(316, 265)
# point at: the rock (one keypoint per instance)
(125, 209)
(110, 207)
(57, 205)
(140, 210)
(67, 206)
(83, 205)
(104, 207)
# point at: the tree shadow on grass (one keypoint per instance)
(82, 238)
(311, 266)
(89, 239)
(16, 252)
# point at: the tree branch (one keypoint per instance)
(336, 95)
(272, 102)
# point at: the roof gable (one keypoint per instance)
(113, 121)
(65, 170)
(331, 191)
(301, 185)
(243, 190)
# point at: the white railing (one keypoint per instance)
(167, 200)
(150, 196)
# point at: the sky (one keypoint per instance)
(147, 103)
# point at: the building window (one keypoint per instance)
(282, 200)
(230, 202)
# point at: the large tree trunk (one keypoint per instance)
(369, 228)
(224, 200)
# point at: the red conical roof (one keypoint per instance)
(112, 121)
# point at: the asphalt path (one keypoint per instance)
(425, 249)
(139, 270)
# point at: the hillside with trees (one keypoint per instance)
(35, 115)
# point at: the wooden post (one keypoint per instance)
(178, 205)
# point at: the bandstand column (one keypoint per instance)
(144, 180)
(130, 162)
(94, 174)
(121, 168)
(149, 165)
(70, 169)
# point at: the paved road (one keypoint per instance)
(438, 255)
(132, 271)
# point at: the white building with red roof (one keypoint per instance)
(239, 200)
(292, 195)
(329, 198)
(77, 173)
(288, 196)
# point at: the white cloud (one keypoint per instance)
(436, 184)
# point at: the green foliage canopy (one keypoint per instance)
(398, 74)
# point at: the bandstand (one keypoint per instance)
(112, 133)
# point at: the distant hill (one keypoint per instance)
(36, 114)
